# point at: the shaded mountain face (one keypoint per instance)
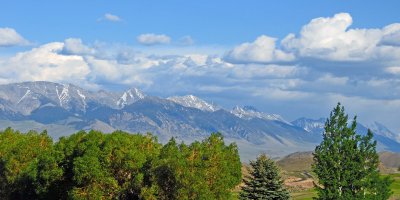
(380, 129)
(65, 108)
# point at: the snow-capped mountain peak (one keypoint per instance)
(130, 96)
(249, 112)
(193, 102)
(311, 125)
(28, 96)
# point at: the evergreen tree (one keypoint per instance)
(347, 163)
(264, 182)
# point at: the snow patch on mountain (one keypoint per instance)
(249, 112)
(83, 97)
(63, 96)
(310, 125)
(192, 101)
(130, 96)
(28, 91)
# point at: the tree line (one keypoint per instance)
(94, 165)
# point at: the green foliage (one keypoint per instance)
(27, 166)
(347, 163)
(264, 181)
(119, 165)
(202, 170)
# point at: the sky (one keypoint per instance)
(293, 58)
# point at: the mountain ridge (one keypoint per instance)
(186, 118)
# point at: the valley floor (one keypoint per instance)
(309, 194)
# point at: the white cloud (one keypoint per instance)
(330, 38)
(75, 46)
(280, 94)
(326, 43)
(265, 71)
(328, 57)
(393, 70)
(10, 37)
(45, 63)
(110, 71)
(186, 40)
(111, 17)
(332, 80)
(74, 62)
(391, 35)
(262, 50)
(153, 39)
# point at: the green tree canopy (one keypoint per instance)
(202, 170)
(93, 165)
(27, 164)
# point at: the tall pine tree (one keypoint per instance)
(347, 163)
(264, 181)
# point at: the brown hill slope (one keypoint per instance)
(390, 159)
(296, 162)
(300, 162)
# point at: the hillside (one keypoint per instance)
(390, 159)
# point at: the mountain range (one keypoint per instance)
(62, 109)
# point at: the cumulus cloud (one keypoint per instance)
(262, 50)
(391, 35)
(75, 46)
(330, 38)
(111, 17)
(10, 37)
(327, 39)
(328, 45)
(72, 61)
(45, 63)
(153, 39)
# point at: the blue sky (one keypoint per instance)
(294, 58)
(208, 22)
